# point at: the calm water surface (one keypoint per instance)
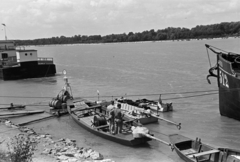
(142, 70)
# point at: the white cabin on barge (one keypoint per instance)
(26, 59)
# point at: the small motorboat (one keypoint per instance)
(13, 106)
(133, 112)
(156, 106)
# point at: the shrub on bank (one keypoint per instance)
(3, 157)
(20, 149)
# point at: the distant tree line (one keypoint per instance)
(224, 29)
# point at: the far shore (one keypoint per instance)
(153, 41)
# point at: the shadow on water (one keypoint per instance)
(41, 80)
(143, 145)
(51, 80)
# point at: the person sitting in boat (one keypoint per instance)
(146, 112)
(118, 119)
(133, 113)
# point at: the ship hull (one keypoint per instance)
(229, 89)
(23, 72)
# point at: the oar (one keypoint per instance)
(177, 124)
(157, 139)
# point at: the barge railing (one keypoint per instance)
(45, 60)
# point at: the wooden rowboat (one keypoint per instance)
(93, 119)
(13, 107)
(195, 151)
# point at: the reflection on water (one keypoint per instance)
(135, 69)
(45, 80)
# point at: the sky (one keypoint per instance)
(33, 19)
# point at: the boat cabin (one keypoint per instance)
(10, 56)
(26, 55)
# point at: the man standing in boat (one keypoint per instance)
(111, 118)
(118, 119)
(110, 107)
(159, 105)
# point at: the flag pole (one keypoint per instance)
(98, 94)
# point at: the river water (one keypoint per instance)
(135, 70)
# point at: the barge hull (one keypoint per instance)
(229, 92)
(22, 72)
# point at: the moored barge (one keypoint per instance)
(228, 75)
(23, 63)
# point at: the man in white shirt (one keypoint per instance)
(111, 116)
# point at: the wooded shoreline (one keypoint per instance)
(222, 30)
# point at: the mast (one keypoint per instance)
(5, 31)
(67, 86)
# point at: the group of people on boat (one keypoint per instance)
(115, 118)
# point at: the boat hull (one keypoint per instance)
(22, 72)
(142, 120)
(229, 92)
(111, 137)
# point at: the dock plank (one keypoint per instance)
(21, 112)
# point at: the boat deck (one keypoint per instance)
(126, 133)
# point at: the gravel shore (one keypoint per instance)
(49, 149)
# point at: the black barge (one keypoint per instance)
(23, 63)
